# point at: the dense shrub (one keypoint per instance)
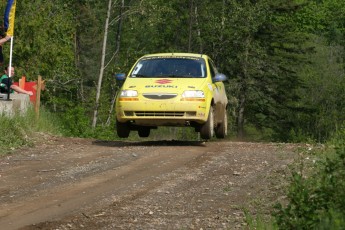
(76, 123)
(317, 201)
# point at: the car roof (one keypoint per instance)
(176, 54)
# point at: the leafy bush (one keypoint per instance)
(76, 123)
(317, 201)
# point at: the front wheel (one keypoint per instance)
(207, 129)
(122, 129)
(144, 132)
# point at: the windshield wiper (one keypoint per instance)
(177, 76)
(140, 75)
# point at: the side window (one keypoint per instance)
(213, 69)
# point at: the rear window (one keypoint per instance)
(179, 67)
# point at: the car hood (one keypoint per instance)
(164, 85)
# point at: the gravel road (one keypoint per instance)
(68, 183)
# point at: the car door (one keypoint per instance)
(218, 91)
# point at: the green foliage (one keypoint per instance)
(322, 96)
(75, 122)
(285, 59)
(14, 133)
(44, 45)
(47, 123)
(259, 223)
(316, 201)
(20, 130)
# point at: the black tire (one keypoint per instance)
(144, 131)
(207, 129)
(122, 129)
(222, 128)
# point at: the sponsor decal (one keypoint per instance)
(161, 86)
(163, 81)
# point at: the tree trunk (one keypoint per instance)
(240, 118)
(190, 25)
(101, 72)
(118, 39)
(77, 66)
(223, 26)
(243, 91)
(198, 29)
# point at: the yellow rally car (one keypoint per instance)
(172, 89)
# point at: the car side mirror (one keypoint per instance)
(120, 76)
(220, 77)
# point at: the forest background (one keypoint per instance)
(284, 58)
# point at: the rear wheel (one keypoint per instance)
(222, 128)
(207, 129)
(122, 129)
(144, 132)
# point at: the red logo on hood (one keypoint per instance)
(163, 81)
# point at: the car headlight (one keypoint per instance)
(129, 93)
(193, 95)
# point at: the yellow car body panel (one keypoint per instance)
(196, 110)
(164, 100)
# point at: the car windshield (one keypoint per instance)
(170, 67)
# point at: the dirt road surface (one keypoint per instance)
(65, 183)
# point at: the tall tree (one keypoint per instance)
(101, 71)
(45, 46)
(114, 57)
(322, 94)
(260, 45)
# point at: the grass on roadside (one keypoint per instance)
(19, 130)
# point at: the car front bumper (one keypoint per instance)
(159, 113)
